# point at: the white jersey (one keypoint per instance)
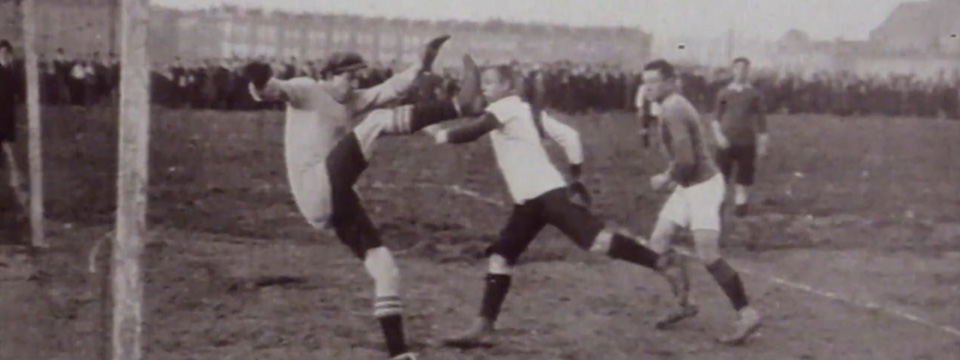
(315, 121)
(522, 159)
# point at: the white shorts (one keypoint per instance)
(311, 184)
(696, 207)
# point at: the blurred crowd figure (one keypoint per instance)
(563, 86)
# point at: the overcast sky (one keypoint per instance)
(766, 19)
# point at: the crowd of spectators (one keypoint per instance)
(564, 86)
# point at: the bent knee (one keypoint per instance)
(707, 245)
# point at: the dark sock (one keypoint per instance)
(392, 326)
(626, 249)
(429, 113)
(730, 282)
(494, 293)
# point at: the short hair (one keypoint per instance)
(4, 44)
(663, 67)
(741, 60)
(505, 72)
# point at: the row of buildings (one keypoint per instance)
(84, 26)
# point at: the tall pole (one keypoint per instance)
(731, 37)
(34, 138)
(128, 244)
(114, 14)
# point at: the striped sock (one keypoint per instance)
(411, 118)
(389, 310)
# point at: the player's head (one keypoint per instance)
(6, 51)
(497, 82)
(341, 71)
(741, 69)
(659, 79)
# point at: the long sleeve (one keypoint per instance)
(473, 130)
(721, 104)
(761, 115)
(681, 147)
(387, 91)
(567, 137)
(293, 91)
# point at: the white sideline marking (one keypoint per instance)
(868, 305)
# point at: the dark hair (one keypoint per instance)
(4, 44)
(741, 60)
(505, 72)
(663, 67)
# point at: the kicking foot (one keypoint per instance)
(405, 356)
(677, 314)
(747, 325)
(477, 336)
(430, 52)
(470, 99)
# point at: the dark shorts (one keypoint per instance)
(349, 218)
(552, 208)
(741, 157)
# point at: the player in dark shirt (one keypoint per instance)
(694, 204)
(741, 132)
(11, 90)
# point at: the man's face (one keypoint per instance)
(344, 85)
(493, 87)
(655, 85)
(741, 71)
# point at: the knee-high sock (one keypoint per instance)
(494, 293)
(388, 308)
(729, 281)
(627, 249)
(409, 119)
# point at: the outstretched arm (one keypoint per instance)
(469, 132)
(293, 91)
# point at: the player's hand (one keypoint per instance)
(661, 182)
(430, 52)
(722, 142)
(579, 194)
(258, 73)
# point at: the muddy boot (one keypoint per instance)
(747, 325)
(405, 356)
(478, 335)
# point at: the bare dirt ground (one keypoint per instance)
(863, 209)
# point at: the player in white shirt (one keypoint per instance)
(540, 193)
(331, 129)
